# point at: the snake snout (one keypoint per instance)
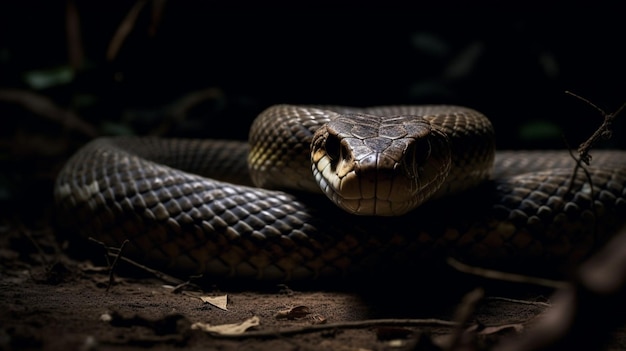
(374, 175)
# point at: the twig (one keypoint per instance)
(124, 29)
(42, 255)
(504, 276)
(603, 132)
(44, 107)
(341, 325)
(74, 40)
(180, 287)
(578, 166)
(157, 274)
(112, 269)
(463, 314)
(158, 8)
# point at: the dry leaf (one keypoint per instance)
(318, 319)
(217, 301)
(293, 313)
(228, 329)
(106, 317)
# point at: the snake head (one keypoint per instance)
(379, 166)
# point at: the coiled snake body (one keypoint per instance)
(525, 211)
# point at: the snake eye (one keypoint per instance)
(419, 152)
(422, 150)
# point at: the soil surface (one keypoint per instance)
(53, 299)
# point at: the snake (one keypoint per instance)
(332, 191)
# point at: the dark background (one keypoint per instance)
(185, 69)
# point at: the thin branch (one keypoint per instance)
(188, 284)
(158, 8)
(603, 132)
(124, 29)
(44, 107)
(578, 166)
(112, 269)
(157, 274)
(505, 276)
(74, 40)
(341, 325)
(462, 316)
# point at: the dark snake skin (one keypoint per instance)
(528, 217)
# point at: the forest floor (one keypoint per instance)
(53, 300)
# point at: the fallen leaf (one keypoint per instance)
(106, 317)
(293, 313)
(228, 329)
(217, 301)
(318, 319)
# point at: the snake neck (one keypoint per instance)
(471, 139)
(280, 139)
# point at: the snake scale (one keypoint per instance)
(192, 206)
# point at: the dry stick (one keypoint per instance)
(158, 8)
(42, 255)
(341, 325)
(43, 106)
(112, 269)
(187, 284)
(603, 132)
(463, 314)
(72, 30)
(124, 30)
(157, 274)
(572, 179)
(505, 276)
(576, 168)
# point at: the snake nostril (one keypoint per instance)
(333, 148)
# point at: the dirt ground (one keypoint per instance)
(55, 301)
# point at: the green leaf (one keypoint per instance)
(46, 78)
